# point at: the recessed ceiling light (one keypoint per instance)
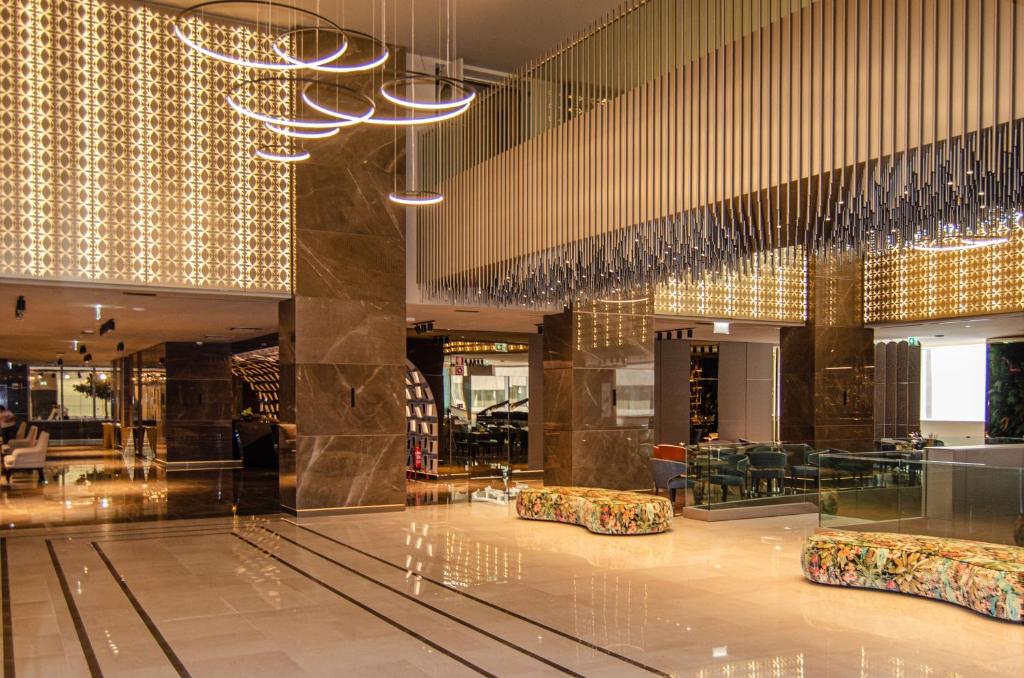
(410, 319)
(88, 332)
(138, 308)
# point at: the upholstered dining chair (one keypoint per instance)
(767, 466)
(670, 476)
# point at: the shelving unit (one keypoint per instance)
(421, 424)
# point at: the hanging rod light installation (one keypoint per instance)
(374, 52)
(685, 138)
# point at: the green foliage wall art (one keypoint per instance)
(1004, 411)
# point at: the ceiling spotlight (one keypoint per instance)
(689, 334)
(81, 349)
(60, 362)
(19, 309)
(120, 347)
(108, 326)
(87, 359)
(657, 336)
(679, 334)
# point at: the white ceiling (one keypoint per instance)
(958, 331)
(496, 34)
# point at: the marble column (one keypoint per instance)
(599, 396)
(827, 366)
(342, 334)
(199, 398)
(535, 460)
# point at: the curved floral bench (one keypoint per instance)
(986, 578)
(600, 511)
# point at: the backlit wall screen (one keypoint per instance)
(953, 383)
(120, 161)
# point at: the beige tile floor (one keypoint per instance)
(460, 590)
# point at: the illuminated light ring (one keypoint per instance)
(326, 67)
(282, 157)
(447, 115)
(301, 134)
(961, 245)
(415, 198)
(411, 77)
(346, 120)
(178, 23)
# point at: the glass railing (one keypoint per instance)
(908, 493)
(750, 475)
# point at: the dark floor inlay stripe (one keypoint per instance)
(494, 606)
(398, 625)
(5, 592)
(437, 610)
(76, 618)
(141, 611)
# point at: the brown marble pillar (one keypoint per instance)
(599, 396)
(342, 335)
(197, 415)
(827, 366)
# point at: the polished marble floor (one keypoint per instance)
(462, 589)
(83, 486)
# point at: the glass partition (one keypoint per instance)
(908, 493)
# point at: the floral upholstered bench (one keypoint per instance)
(600, 511)
(987, 578)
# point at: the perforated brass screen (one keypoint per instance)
(120, 161)
(770, 292)
(911, 285)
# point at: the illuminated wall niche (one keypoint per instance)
(774, 292)
(911, 285)
(120, 161)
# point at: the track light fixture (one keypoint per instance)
(81, 349)
(87, 359)
(120, 347)
(19, 309)
(108, 326)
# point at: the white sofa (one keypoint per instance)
(28, 458)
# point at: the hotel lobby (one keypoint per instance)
(508, 338)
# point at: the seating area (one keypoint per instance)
(25, 451)
(600, 511)
(986, 578)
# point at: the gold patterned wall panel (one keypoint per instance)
(774, 292)
(910, 285)
(120, 161)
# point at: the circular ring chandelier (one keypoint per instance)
(378, 51)
(960, 243)
(411, 78)
(339, 117)
(301, 133)
(320, 107)
(282, 157)
(415, 198)
(180, 28)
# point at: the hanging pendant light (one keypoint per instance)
(349, 107)
(415, 198)
(301, 133)
(184, 22)
(410, 79)
(282, 157)
(377, 50)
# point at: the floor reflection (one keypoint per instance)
(100, 486)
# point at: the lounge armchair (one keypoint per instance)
(28, 458)
(26, 441)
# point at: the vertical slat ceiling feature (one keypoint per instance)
(681, 138)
